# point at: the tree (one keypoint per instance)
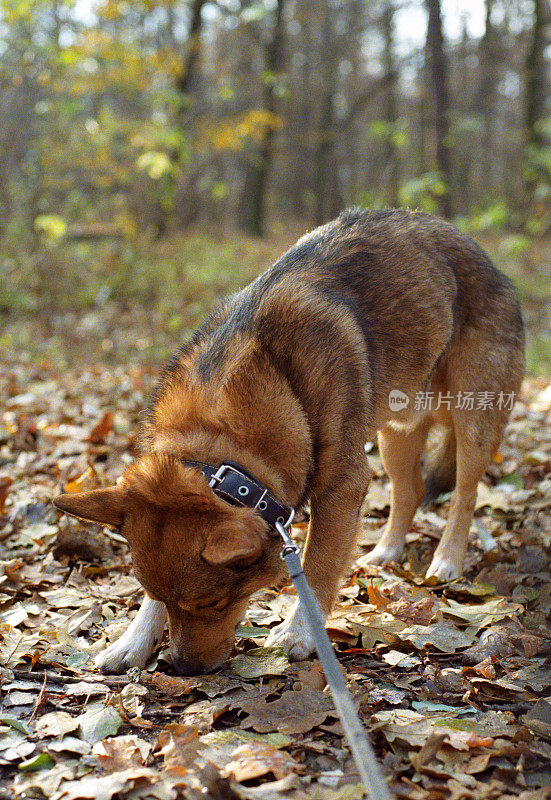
(252, 208)
(327, 191)
(535, 96)
(391, 115)
(439, 75)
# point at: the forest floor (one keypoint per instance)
(452, 680)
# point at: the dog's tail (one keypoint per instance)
(439, 468)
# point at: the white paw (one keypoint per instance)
(445, 569)
(126, 652)
(138, 642)
(384, 554)
(293, 634)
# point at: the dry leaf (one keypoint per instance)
(5, 483)
(121, 752)
(255, 760)
(102, 429)
(293, 712)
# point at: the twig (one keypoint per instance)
(39, 699)
(54, 677)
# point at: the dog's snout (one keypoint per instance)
(185, 666)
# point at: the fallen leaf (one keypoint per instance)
(173, 687)
(69, 744)
(41, 761)
(121, 752)
(178, 744)
(255, 760)
(5, 483)
(107, 786)
(293, 712)
(259, 662)
(481, 614)
(99, 722)
(202, 714)
(313, 677)
(56, 723)
(419, 612)
(402, 660)
(443, 636)
(235, 736)
(102, 429)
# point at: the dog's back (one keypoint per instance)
(398, 295)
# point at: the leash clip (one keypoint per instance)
(283, 529)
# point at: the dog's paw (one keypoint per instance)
(383, 554)
(294, 636)
(126, 652)
(444, 568)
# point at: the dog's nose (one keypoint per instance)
(185, 666)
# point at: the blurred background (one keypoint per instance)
(156, 155)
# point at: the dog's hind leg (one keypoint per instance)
(138, 641)
(400, 451)
(477, 441)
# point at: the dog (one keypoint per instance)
(349, 334)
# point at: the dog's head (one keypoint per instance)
(201, 556)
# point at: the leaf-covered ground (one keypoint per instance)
(451, 680)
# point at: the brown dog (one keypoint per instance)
(385, 321)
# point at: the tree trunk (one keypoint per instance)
(439, 75)
(186, 78)
(487, 89)
(392, 152)
(535, 92)
(253, 200)
(327, 190)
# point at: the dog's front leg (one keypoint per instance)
(334, 526)
(138, 641)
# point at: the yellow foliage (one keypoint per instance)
(253, 125)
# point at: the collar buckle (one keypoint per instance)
(219, 475)
(248, 492)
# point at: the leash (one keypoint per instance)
(370, 773)
(236, 485)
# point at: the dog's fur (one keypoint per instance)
(290, 378)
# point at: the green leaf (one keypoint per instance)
(236, 736)
(251, 631)
(17, 724)
(511, 479)
(219, 190)
(42, 761)
(268, 77)
(99, 722)
(77, 659)
(254, 12)
(226, 93)
(516, 244)
(472, 589)
(155, 163)
(259, 662)
(52, 225)
(427, 705)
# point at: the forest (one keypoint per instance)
(155, 156)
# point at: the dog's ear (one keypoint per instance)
(235, 546)
(105, 506)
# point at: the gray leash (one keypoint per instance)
(362, 751)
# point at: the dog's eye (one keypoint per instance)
(216, 605)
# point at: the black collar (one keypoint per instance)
(234, 484)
